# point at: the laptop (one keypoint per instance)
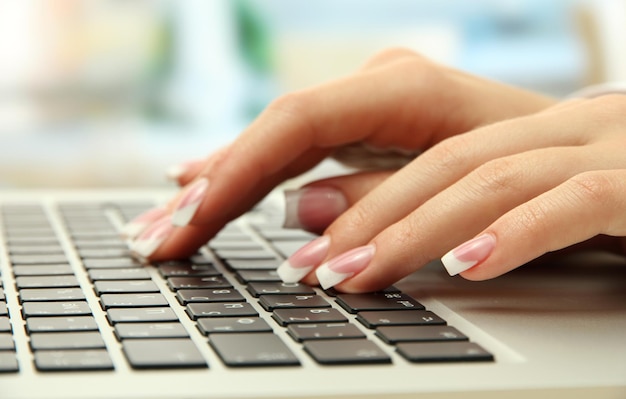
(81, 318)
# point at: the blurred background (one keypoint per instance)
(110, 93)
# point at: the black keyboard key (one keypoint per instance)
(248, 276)
(209, 295)
(162, 353)
(8, 362)
(111, 263)
(51, 294)
(110, 243)
(63, 281)
(6, 342)
(244, 244)
(35, 249)
(134, 315)
(354, 303)
(59, 324)
(346, 351)
(272, 302)
(231, 309)
(257, 289)
(38, 259)
(232, 325)
(150, 330)
(177, 283)
(393, 335)
(21, 241)
(124, 286)
(104, 253)
(119, 274)
(375, 319)
(65, 340)
(43, 270)
(429, 352)
(389, 290)
(252, 349)
(34, 309)
(307, 332)
(73, 360)
(285, 317)
(241, 254)
(253, 264)
(5, 324)
(186, 269)
(132, 300)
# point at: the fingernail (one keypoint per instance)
(468, 254)
(344, 266)
(190, 202)
(152, 237)
(174, 172)
(313, 208)
(133, 228)
(304, 260)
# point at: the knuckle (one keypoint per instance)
(609, 108)
(390, 55)
(447, 155)
(406, 239)
(591, 188)
(291, 104)
(531, 223)
(353, 223)
(601, 192)
(498, 175)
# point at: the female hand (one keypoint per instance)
(398, 100)
(501, 195)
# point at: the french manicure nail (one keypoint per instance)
(313, 208)
(468, 254)
(189, 203)
(304, 260)
(174, 172)
(133, 228)
(152, 237)
(344, 266)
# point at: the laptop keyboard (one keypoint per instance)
(82, 299)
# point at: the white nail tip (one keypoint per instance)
(131, 230)
(455, 266)
(190, 203)
(290, 274)
(328, 278)
(291, 199)
(183, 216)
(145, 248)
(175, 171)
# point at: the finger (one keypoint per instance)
(456, 213)
(470, 197)
(184, 172)
(595, 200)
(315, 206)
(242, 174)
(432, 173)
(298, 130)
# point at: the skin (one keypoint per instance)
(537, 174)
